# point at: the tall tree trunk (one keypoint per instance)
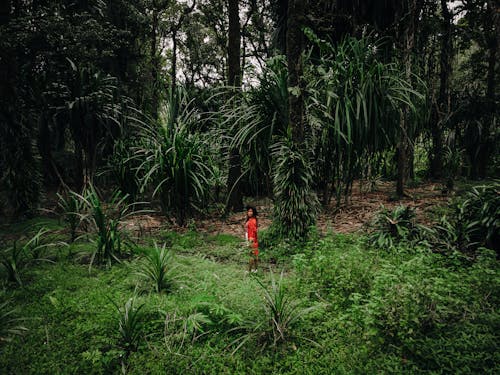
(294, 48)
(443, 104)
(235, 199)
(155, 69)
(408, 43)
(492, 39)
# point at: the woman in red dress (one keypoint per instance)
(251, 236)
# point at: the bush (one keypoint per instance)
(418, 307)
(391, 227)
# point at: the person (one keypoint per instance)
(251, 238)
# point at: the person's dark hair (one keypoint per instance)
(254, 211)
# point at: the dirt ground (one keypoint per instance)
(347, 218)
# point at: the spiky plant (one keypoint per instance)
(157, 267)
(175, 159)
(71, 206)
(16, 258)
(391, 227)
(279, 322)
(105, 218)
(130, 324)
(10, 325)
(353, 105)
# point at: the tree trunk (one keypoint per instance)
(155, 97)
(235, 199)
(443, 105)
(408, 42)
(294, 48)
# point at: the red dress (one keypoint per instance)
(251, 227)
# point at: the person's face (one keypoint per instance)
(250, 212)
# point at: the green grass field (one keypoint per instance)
(340, 307)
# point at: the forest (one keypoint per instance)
(136, 134)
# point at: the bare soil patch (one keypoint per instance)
(347, 218)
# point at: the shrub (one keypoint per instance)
(391, 227)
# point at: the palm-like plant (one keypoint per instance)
(130, 324)
(90, 103)
(296, 204)
(256, 119)
(175, 160)
(157, 267)
(282, 313)
(105, 219)
(353, 103)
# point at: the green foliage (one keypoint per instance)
(296, 204)
(19, 176)
(335, 268)
(130, 324)
(353, 101)
(157, 267)
(481, 212)
(10, 325)
(471, 223)
(278, 324)
(176, 160)
(391, 227)
(418, 305)
(72, 209)
(104, 218)
(16, 259)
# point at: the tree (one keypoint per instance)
(235, 199)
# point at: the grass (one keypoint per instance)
(381, 312)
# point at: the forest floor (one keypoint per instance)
(349, 217)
